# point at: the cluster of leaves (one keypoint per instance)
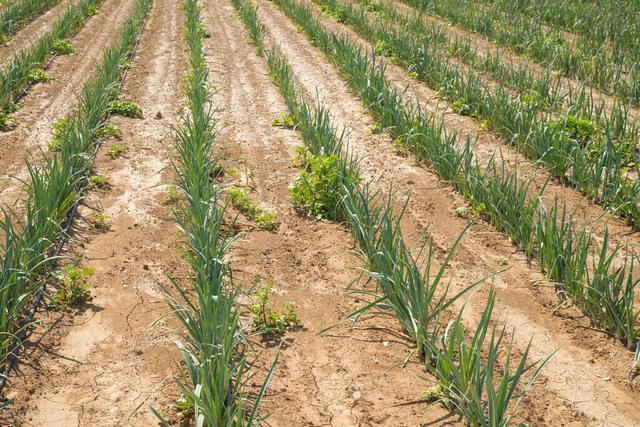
(73, 287)
(318, 189)
(268, 320)
(240, 199)
(126, 109)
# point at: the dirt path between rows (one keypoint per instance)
(103, 365)
(46, 103)
(586, 380)
(33, 30)
(347, 377)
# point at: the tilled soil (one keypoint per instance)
(104, 365)
(107, 362)
(348, 376)
(579, 378)
(46, 103)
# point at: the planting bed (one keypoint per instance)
(274, 216)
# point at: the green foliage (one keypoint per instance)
(462, 107)
(62, 47)
(185, 406)
(60, 130)
(266, 319)
(284, 120)
(126, 109)
(38, 75)
(581, 130)
(171, 195)
(101, 221)
(72, 286)
(110, 130)
(115, 151)
(317, 191)
(99, 181)
(267, 220)
(240, 199)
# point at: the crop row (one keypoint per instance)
(613, 24)
(20, 13)
(592, 156)
(25, 67)
(567, 253)
(408, 288)
(34, 236)
(605, 69)
(216, 367)
(540, 90)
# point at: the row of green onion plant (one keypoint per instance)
(609, 70)
(540, 89)
(213, 340)
(408, 288)
(54, 188)
(610, 24)
(20, 13)
(594, 156)
(26, 67)
(495, 193)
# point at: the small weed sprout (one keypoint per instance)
(239, 199)
(99, 181)
(38, 75)
(267, 220)
(111, 130)
(171, 195)
(185, 406)
(284, 120)
(60, 129)
(115, 151)
(268, 320)
(101, 221)
(126, 109)
(73, 287)
(62, 47)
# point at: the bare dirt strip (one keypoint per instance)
(106, 363)
(587, 377)
(46, 103)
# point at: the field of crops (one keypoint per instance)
(319, 212)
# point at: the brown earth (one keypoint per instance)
(46, 103)
(105, 363)
(589, 372)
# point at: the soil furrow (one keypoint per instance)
(594, 367)
(342, 378)
(106, 363)
(33, 30)
(48, 102)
